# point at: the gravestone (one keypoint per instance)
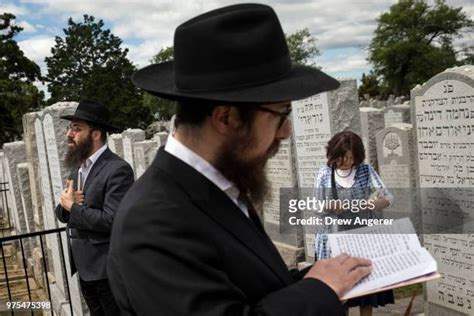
(395, 155)
(3, 206)
(160, 138)
(314, 121)
(49, 220)
(23, 175)
(443, 118)
(129, 137)
(55, 129)
(115, 144)
(27, 212)
(372, 122)
(281, 171)
(15, 153)
(396, 114)
(52, 146)
(29, 136)
(144, 153)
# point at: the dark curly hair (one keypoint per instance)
(341, 143)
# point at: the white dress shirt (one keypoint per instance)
(87, 165)
(175, 148)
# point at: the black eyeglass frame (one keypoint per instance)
(283, 115)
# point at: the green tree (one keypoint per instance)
(18, 95)
(413, 42)
(369, 85)
(302, 47)
(162, 109)
(88, 63)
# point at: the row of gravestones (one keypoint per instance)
(416, 147)
(422, 144)
(36, 173)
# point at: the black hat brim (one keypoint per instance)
(299, 83)
(108, 127)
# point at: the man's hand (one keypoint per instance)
(79, 197)
(67, 196)
(340, 273)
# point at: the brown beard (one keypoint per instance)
(248, 175)
(74, 156)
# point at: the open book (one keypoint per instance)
(398, 259)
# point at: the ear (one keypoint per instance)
(96, 135)
(225, 119)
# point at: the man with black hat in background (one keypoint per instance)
(98, 182)
(187, 239)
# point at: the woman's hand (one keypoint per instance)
(379, 203)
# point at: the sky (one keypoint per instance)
(342, 28)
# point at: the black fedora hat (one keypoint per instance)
(92, 112)
(233, 54)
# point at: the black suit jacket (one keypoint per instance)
(89, 225)
(180, 246)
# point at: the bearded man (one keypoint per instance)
(187, 239)
(96, 185)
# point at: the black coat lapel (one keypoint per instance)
(99, 164)
(216, 204)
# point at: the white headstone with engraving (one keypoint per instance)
(443, 117)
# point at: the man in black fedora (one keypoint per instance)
(187, 239)
(96, 185)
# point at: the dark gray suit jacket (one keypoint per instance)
(89, 225)
(181, 247)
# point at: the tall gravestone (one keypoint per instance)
(160, 138)
(144, 153)
(29, 136)
(395, 155)
(443, 118)
(315, 120)
(15, 153)
(396, 114)
(281, 171)
(129, 137)
(372, 121)
(23, 175)
(115, 144)
(3, 206)
(52, 147)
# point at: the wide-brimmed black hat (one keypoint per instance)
(233, 54)
(92, 112)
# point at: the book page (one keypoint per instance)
(375, 242)
(395, 268)
(395, 256)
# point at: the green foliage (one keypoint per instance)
(302, 47)
(162, 109)
(413, 42)
(370, 85)
(18, 95)
(88, 63)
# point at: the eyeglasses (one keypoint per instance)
(283, 115)
(74, 128)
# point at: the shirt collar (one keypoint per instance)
(93, 158)
(180, 151)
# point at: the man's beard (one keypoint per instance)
(79, 153)
(248, 175)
